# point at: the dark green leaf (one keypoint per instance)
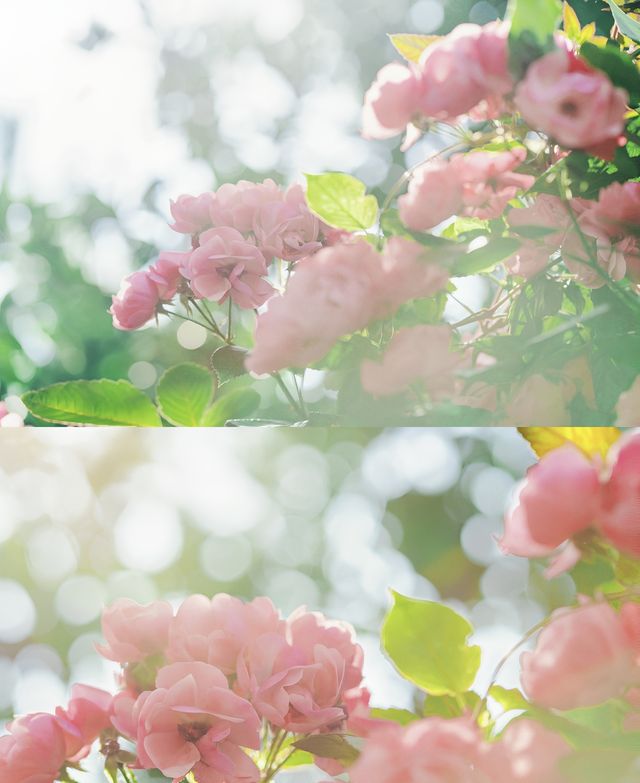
(618, 66)
(626, 24)
(329, 746)
(485, 258)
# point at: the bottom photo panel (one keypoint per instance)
(370, 606)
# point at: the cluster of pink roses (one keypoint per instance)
(467, 73)
(568, 495)
(605, 231)
(236, 233)
(196, 687)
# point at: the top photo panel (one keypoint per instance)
(301, 213)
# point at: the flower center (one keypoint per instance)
(569, 108)
(192, 732)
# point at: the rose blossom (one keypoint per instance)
(408, 272)
(573, 103)
(86, 716)
(464, 68)
(437, 750)
(418, 353)
(391, 102)
(537, 401)
(610, 255)
(620, 518)
(474, 184)
(236, 205)
(193, 722)
(526, 752)
(331, 294)
(227, 265)
(618, 208)
(136, 302)
(216, 630)
(191, 213)
(286, 228)
(134, 632)
(546, 512)
(33, 751)
(628, 406)
(582, 658)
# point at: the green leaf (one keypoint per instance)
(533, 23)
(341, 201)
(328, 746)
(626, 24)
(411, 46)
(103, 402)
(184, 393)
(618, 66)
(427, 643)
(238, 404)
(446, 706)
(485, 258)
(509, 698)
(595, 765)
(228, 362)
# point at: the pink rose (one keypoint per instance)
(217, 630)
(571, 102)
(538, 401)
(435, 194)
(227, 265)
(123, 713)
(582, 658)
(237, 205)
(546, 212)
(134, 632)
(529, 261)
(559, 498)
(136, 302)
(85, 718)
(620, 518)
(628, 406)
(391, 102)
(191, 213)
(618, 209)
(33, 751)
(475, 184)
(418, 353)
(194, 723)
(165, 273)
(527, 753)
(8, 418)
(437, 750)
(610, 256)
(330, 294)
(286, 228)
(408, 272)
(466, 67)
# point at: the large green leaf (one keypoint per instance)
(237, 404)
(485, 258)
(626, 24)
(103, 402)
(427, 642)
(184, 393)
(341, 201)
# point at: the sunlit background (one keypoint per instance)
(327, 518)
(107, 110)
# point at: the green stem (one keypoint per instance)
(288, 395)
(191, 320)
(229, 316)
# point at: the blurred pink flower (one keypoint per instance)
(559, 498)
(227, 265)
(193, 722)
(610, 255)
(574, 104)
(437, 750)
(418, 353)
(582, 658)
(286, 228)
(134, 632)
(391, 102)
(191, 213)
(34, 751)
(538, 401)
(136, 302)
(620, 518)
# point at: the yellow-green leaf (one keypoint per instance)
(592, 441)
(411, 46)
(571, 23)
(341, 201)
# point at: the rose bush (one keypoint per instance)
(535, 192)
(220, 690)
